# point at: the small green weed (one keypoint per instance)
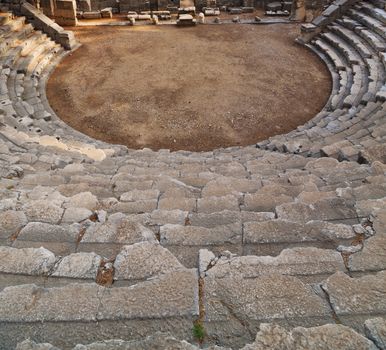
(198, 331)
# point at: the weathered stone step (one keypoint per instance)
(10, 39)
(311, 265)
(14, 25)
(378, 3)
(168, 303)
(240, 305)
(369, 22)
(270, 336)
(134, 263)
(271, 237)
(379, 14)
(28, 63)
(338, 81)
(354, 299)
(329, 51)
(351, 37)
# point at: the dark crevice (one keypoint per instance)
(333, 313)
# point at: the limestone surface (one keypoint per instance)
(143, 260)
(375, 329)
(29, 261)
(78, 265)
(357, 296)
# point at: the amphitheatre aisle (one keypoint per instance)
(279, 245)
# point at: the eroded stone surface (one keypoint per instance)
(171, 295)
(29, 261)
(375, 329)
(11, 222)
(195, 235)
(83, 200)
(143, 260)
(327, 337)
(269, 337)
(264, 298)
(29, 303)
(296, 262)
(372, 257)
(119, 229)
(31, 345)
(78, 265)
(357, 296)
(43, 211)
(43, 232)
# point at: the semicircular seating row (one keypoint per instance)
(99, 242)
(352, 124)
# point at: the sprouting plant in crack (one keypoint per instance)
(198, 331)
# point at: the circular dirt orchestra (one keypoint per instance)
(195, 88)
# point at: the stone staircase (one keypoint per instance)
(351, 126)
(100, 242)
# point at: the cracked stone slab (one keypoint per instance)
(168, 295)
(143, 260)
(28, 261)
(31, 345)
(375, 330)
(300, 262)
(265, 298)
(286, 231)
(213, 204)
(372, 257)
(117, 229)
(136, 195)
(325, 209)
(172, 203)
(78, 265)
(153, 341)
(223, 186)
(163, 217)
(46, 193)
(313, 197)
(205, 260)
(43, 232)
(263, 202)
(227, 217)
(83, 200)
(326, 337)
(43, 211)
(269, 337)
(357, 296)
(74, 214)
(11, 222)
(370, 206)
(29, 303)
(380, 222)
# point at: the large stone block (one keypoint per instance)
(65, 12)
(236, 306)
(144, 260)
(308, 264)
(356, 299)
(27, 261)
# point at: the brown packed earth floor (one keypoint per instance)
(195, 88)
